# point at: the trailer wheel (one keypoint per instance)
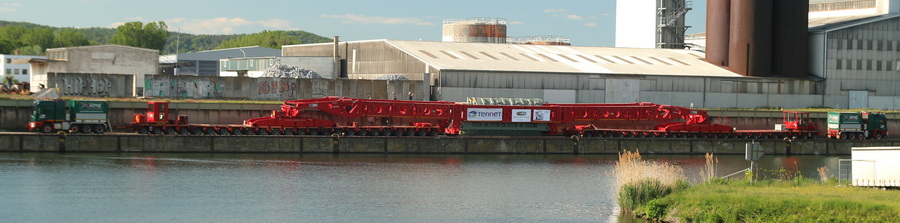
(421, 132)
(170, 131)
(375, 132)
(197, 131)
(47, 128)
(210, 131)
(144, 130)
(99, 129)
(433, 132)
(262, 132)
(288, 132)
(237, 132)
(75, 128)
(313, 132)
(184, 131)
(86, 129)
(860, 136)
(157, 131)
(276, 132)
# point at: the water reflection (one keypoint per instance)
(49, 187)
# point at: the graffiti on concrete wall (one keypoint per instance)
(85, 86)
(277, 87)
(199, 89)
(184, 88)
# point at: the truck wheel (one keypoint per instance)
(47, 128)
(86, 129)
(184, 131)
(170, 131)
(860, 136)
(143, 130)
(157, 131)
(197, 131)
(74, 128)
(99, 129)
(878, 136)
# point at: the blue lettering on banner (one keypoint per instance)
(485, 114)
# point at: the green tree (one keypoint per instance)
(270, 39)
(151, 36)
(70, 37)
(42, 37)
(31, 50)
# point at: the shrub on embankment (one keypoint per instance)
(640, 181)
(793, 199)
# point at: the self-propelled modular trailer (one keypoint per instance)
(374, 117)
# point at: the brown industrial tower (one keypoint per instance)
(758, 37)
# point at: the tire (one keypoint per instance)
(375, 132)
(99, 129)
(197, 131)
(262, 132)
(363, 132)
(75, 128)
(313, 132)
(170, 131)
(184, 131)
(157, 131)
(276, 132)
(144, 130)
(288, 132)
(86, 129)
(210, 131)
(878, 136)
(237, 132)
(223, 131)
(47, 128)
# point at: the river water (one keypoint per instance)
(110, 187)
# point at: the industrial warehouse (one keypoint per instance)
(846, 62)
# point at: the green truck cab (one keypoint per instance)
(76, 116)
(857, 125)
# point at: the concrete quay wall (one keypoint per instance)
(131, 143)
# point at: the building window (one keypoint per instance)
(24, 71)
(840, 64)
(8, 60)
(878, 66)
(8, 71)
(15, 71)
(858, 65)
(869, 44)
(890, 45)
(880, 45)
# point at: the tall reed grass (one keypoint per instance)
(639, 181)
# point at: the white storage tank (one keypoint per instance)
(875, 166)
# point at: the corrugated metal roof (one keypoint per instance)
(827, 24)
(560, 59)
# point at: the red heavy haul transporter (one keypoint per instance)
(369, 117)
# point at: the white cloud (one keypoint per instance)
(574, 17)
(7, 10)
(362, 19)
(590, 24)
(140, 19)
(554, 10)
(517, 22)
(12, 4)
(224, 25)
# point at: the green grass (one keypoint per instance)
(797, 200)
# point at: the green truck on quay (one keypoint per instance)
(76, 116)
(857, 125)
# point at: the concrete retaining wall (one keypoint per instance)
(402, 145)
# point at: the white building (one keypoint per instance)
(651, 23)
(20, 72)
(206, 63)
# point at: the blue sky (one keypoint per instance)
(585, 22)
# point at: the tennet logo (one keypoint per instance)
(473, 114)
